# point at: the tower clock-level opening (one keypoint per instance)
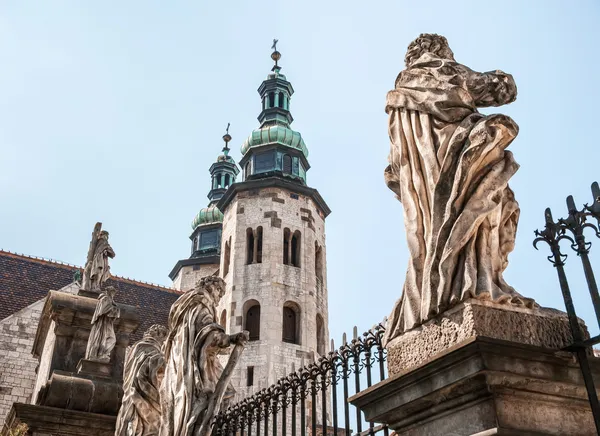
(252, 319)
(291, 323)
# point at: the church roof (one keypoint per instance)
(25, 280)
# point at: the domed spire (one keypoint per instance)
(275, 149)
(223, 171)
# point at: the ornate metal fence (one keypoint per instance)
(571, 229)
(291, 406)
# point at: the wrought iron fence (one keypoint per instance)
(314, 400)
(572, 229)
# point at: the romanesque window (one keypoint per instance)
(247, 170)
(249, 246)
(291, 247)
(259, 244)
(223, 320)
(271, 99)
(281, 99)
(318, 263)
(227, 257)
(250, 376)
(295, 249)
(287, 164)
(252, 319)
(254, 245)
(320, 335)
(286, 246)
(291, 323)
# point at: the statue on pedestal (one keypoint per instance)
(195, 384)
(449, 167)
(140, 410)
(97, 271)
(102, 337)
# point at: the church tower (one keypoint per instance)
(273, 248)
(207, 226)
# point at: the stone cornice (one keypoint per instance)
(277, 182)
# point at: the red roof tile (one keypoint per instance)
(25, 280)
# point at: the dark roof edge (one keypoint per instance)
(273, 182)
(206, 260)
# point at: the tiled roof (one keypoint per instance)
(25, 280)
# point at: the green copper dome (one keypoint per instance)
(275, 134)
(207, 215)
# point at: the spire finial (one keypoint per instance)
(275, 55)
(226, 138)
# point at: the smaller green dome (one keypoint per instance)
(207, 215)
(275, 134)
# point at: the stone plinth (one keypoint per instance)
(541, 327)
(43, 420)
(485, 386)
(93, 368)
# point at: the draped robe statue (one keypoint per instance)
(192, 368)
(140, 410)
(97, 270)
(449, 167)
(102, 337)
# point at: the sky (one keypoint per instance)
(113, 111)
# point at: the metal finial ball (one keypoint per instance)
(226, 137)
(275, 55)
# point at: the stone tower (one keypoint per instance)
(273, 248)
(207, 226)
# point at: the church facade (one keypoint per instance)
(263, 232)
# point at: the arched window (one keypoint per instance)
(223, 320)
(259, 244)
(219, 180)
(287, 164)
(281, 99)
(271, 99)
(295, 249)
(227, 257)
(247, 170)
(318, 262)
(227, 180)
(252, 319)
(291, 323)
(286, 246)
(249, 246)
(320, 335)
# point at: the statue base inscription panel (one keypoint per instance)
(541, 327)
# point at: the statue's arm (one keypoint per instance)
(494, 88)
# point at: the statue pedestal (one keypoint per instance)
(94, 368)
(541, 327)
(480, 369)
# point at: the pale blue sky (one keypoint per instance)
(114, 111)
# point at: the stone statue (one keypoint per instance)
(449, 167)
(140, 410)
(102, 338)
(97, 270)
(195, 384)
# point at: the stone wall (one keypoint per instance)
(17, 374)
(17, 364)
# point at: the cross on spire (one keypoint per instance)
(275, 55)
(226, 138)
